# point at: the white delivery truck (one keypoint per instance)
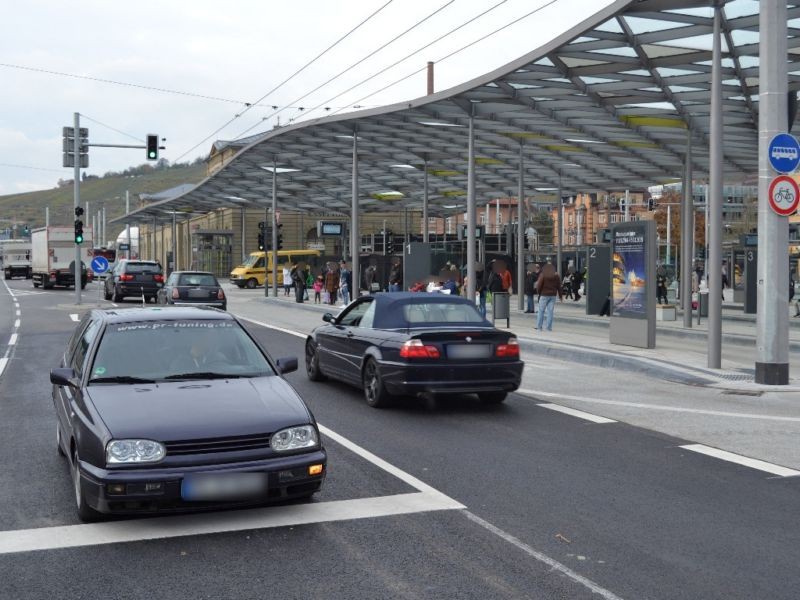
(15, 257)
(53, 256)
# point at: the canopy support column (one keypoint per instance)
(521, 231)
(714, 203)
(471, 211)
(241, 216)
(425, 200)
(560, 226)
(274, 230)
(687, 234)
(174, 242)
(355, 233)
(772, 319)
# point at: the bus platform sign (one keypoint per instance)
(784, 153)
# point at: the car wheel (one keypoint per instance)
(115, 297)
(312, 362)
(374, 391)
(106, 294)
(492, 397)
(251, 283)
(85, 512)
(35, 283)
(59, 447)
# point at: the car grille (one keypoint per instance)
(209, 445)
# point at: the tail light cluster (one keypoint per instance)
(220, 294)
(175, 294)
(158, 278)
(126, 277)
(508, 350)
(416, 349)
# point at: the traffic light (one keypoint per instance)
(280, 236)
(78, 225)
(261, 240)
(68, 134)
(389, 242)
(152, 146)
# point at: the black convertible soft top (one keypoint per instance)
(390, 311)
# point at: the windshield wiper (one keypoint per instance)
(203, 375)
(121, 379)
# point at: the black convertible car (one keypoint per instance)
(179, 408)
(405, 343)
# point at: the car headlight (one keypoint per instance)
(294, 438)
(134, 451)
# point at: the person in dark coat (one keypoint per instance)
(576, 280)
(332, 283)
(299, 281)
(396, 277)
(530, 286)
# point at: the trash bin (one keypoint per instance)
(703, 299)
(501, 307)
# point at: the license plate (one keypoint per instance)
(469, 350)
(199, 294)
(223, 486)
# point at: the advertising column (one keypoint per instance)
(633, 281)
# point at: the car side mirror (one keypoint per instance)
(328, 318)
(63, 376)
(286, 365)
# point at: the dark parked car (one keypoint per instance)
(178, 408)
(192, 288)
(415, 343)
(141, 278)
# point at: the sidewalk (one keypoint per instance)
(680, 354)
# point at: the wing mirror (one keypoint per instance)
(286, 365)
(63, 376)
(328, 318)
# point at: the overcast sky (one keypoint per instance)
(232, 53)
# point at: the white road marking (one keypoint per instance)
(577, 413)
(268, 326)
(541, 557)
(13, 339)
(10, 291)
(753, 463)
(3, 363)
(19, 313)
(679, 409)
(16, 324)
(75, 317)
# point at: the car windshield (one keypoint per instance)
(184, 349)
(251, 260)
(424, 313)
(197, 279)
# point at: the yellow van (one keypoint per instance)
(254, 270)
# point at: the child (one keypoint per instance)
(317, 289)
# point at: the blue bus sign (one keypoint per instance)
(99, 264)
(784, 153)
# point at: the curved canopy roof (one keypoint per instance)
(605, 106)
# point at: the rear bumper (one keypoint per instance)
(287, 478)
(137, 289)
(222, 304)
(462, 378)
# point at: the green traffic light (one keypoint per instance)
(78, 239)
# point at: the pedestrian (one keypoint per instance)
(566, 284)
(481, 288)
(298, 279)
(505, 277)
(531, 276)
(309, 281)
(332, 283)
(661, 286)
(396, 277)
(317, 286)
(345, 283)
(577, 280)
(549, 286)
(287, 279)
(370, 274)
(725, 281)
(791, 295)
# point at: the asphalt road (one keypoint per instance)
(523, 502)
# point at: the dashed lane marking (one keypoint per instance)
(753, 463)
(576, 413)
(75, 317)
(3, 363)
(13, 339)
(17, 323)
(268, 326)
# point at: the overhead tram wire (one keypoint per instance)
(350, 68)
(444, 58)
(288, 79)
(394, 64)
(133, 137)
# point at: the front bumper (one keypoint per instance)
(287, 478)
(462, 378)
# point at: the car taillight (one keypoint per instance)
(158, 278)
(175, 294)
(220, 294)
(508, 350)
(416, 349)
(125, 277)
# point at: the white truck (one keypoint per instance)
(53, 256)
(15, 258)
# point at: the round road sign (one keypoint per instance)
(99, 264)
(784, 195)
(784, 153)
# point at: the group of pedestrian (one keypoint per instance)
(334, 282)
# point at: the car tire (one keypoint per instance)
(36, 284)
(106, 295)
(492, 397)
(115, 297)
(85, 512)
(312, 362)
(251, 283)
(374, 391)
(59, 446)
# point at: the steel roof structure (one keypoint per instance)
(606, 105)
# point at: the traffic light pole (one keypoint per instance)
(77, 202)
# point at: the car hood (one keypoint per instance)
(185, 410)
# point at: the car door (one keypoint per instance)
(165, 292)
(347, 343)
